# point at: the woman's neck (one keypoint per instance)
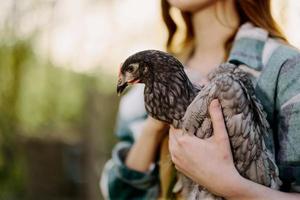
(213, 25)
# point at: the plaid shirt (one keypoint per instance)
(276, 68)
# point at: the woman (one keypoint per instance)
(238, 31)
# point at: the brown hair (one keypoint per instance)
(256, 12)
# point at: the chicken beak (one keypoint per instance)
(121, 86)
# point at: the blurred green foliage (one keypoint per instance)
(35, 97)
(11, 58)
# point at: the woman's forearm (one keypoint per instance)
(142, 153)
(248, 190)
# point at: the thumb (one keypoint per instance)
(217, 119)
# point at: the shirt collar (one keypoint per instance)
(248, 46)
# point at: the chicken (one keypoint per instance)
(171, 97)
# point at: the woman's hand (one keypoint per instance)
(155, 128)
(208, 162)
(143, 152)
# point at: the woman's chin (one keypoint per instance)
(191, 5)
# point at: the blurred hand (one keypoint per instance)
(208, 162)
(156, 128)
(143, 152)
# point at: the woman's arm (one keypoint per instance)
(209, 162)
(143, 151)
(248, 190)
(129, 170)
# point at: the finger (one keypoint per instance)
(173, 142)
(172, 139)
(217, 119)
(175, 131)
(171, 147)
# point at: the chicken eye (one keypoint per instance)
(130, 69)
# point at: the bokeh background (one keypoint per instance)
(58, 65)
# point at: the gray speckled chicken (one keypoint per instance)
(172, 98)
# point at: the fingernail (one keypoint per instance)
(216, 102)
